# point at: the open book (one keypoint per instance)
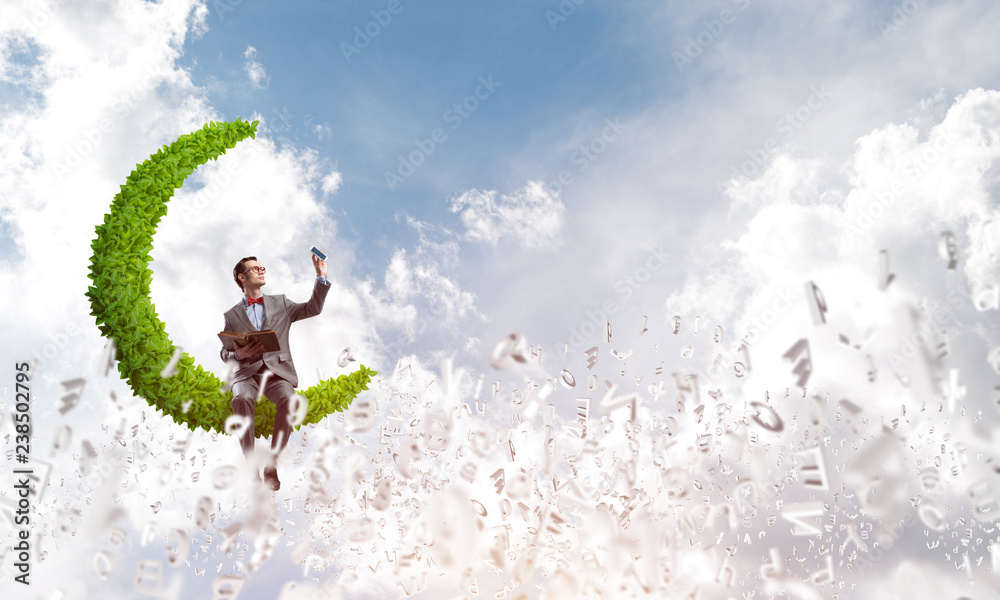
(266, 337)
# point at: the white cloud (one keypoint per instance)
(199, 20)
(427, 273)
(907, 186)
(99, 111)
(443, 293)
(331, 183)
(531, 216)
(794, 223)
(255, 70)
(108, 92)
(322, 131)
(422, 297)
(423, 276)
(111, 93)
(398, 277)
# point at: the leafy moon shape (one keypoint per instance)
(119, 297)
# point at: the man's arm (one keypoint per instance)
(304, 310)
(224, 354)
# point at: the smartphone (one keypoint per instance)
(318, 253)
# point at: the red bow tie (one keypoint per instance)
(252, 301)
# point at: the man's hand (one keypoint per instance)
(248, 350)
(320, 266)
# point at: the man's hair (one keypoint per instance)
(239, 268)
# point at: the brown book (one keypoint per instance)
(267, 338)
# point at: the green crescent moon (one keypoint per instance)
(119, 297)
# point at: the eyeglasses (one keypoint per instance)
(256, 269)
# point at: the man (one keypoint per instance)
(274, 370)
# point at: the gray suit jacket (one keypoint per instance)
(279, 314)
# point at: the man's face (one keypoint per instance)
(254, 275)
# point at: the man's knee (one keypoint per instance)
(244, 392)
(281, 392)
(243, 406)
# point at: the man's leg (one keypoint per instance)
(278, 391)
(244, 401)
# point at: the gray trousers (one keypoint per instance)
(279, 392)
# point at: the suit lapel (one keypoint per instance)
(269, 307)
(240, 314)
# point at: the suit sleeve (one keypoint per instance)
(224, 354)
(304, 310)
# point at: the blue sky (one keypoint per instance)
(682, 173)
(397, 88)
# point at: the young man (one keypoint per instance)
(275, 370)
